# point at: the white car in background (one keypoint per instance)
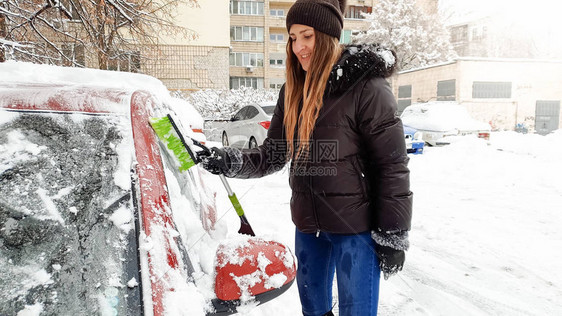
(442, 121)
(248, 127)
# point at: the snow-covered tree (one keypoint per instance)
(222, 104)
(419, 39)
(66, 32)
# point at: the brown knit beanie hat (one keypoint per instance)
(325, 16)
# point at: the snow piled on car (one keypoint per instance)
(440, 116)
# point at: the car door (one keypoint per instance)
(233, 129)
(248, 125)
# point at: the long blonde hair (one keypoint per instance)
(307, 87)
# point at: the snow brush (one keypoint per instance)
(169, 133)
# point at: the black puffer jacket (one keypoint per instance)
(356, 178)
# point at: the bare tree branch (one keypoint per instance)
(96, 26)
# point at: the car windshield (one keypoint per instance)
(269, 109)
(67, 235)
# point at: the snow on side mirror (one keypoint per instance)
(252, 268)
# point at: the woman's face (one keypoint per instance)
(302, 37)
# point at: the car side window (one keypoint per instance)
(252, 112)
(241, 115)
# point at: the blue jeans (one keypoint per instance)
(358, 273)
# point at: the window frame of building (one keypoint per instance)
(279, 38)
(459, 34)
(277, 60)
(277, 63)
(491, 90)
(246, 7)
(354, 12)
(244, 34)
(345, 37)
(132, 62)
(254, 82)
(75, 52)
(242, 59)
(405, 91)
(446, 90)
(404, 97)
(75, 16)
(277, 12)
(276, 83)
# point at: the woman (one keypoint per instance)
(335, 121)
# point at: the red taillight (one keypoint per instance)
(265, 124)
(484, 135)
(197, 130)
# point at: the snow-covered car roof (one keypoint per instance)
(14, 72)
(440, 116)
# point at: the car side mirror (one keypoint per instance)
(253, 267)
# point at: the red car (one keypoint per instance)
(95, 218)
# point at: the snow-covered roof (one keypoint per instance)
(483, 59)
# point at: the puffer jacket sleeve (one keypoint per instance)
(271, 156)
(387, 160)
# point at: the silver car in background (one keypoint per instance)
(248, 127)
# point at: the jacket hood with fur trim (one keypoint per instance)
(359, 62)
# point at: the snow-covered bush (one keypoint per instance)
(222, 104)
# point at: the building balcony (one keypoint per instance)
(236, 71)
(276, 21)
(281, 1)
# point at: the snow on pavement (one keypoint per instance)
(485, 235)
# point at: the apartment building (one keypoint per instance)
(258, 38)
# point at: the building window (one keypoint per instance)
(246, 59)
(246, 33)
(246, 7)
(276, 62)
(404, 97)
(402, 104)
(251, 82)
(405, 91)
(276, 83)
(345, 37)
(125, 61)
(459, 34)
(277, 12)
(354, 12)
(491, 90)
(74, 53)
(446, 90)
(276, 38)
(69, 7)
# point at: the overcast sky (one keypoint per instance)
(540, 19)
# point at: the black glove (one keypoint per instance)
(214, 160)
(390, 260)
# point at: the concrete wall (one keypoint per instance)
(532, 81)
(210, 20)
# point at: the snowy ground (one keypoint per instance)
(486, 233)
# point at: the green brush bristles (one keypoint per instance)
(163, 128)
